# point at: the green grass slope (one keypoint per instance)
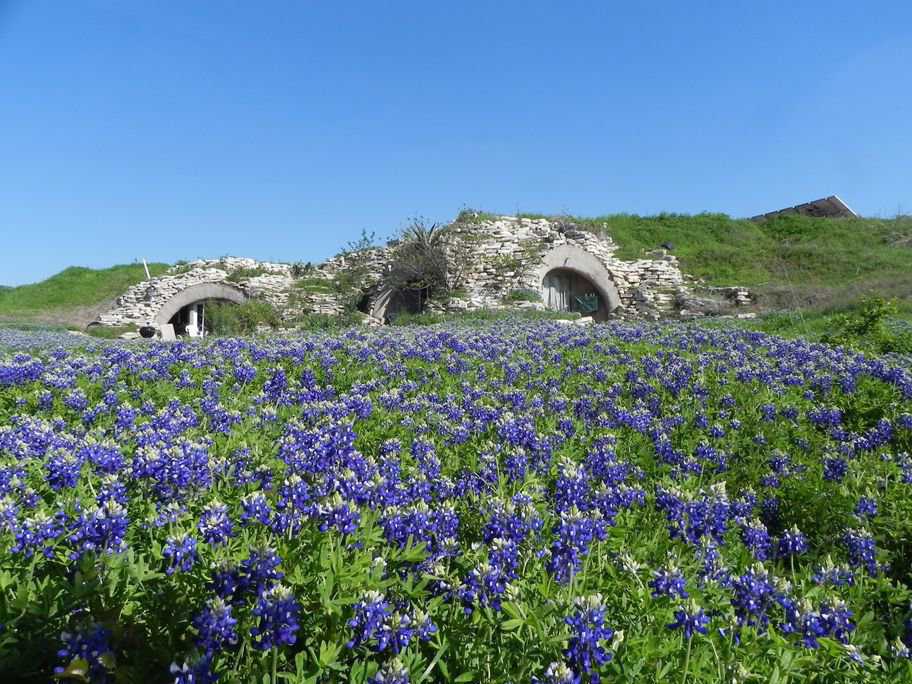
(72, 297)
(792, 262)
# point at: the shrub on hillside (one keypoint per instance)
(240, 319)
(523, 294)
(866, 328)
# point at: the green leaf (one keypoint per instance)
(329, 654)
(78, 669)
(510, 625)
(465, 677)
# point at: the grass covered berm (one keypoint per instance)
(790, 261)
(793, 263)
(72, 297)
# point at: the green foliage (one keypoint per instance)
(791, 261)
(420, 259)
(316, 285)
(469, 216)
(300, 269)
(367, 240)
(523, 295)
(315, 322)
(241, 274)
(865, 328)
(73, 287)
(224, 318)
(107, 332)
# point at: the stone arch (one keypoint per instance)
(389, 301)
(199, 293)
(579, 261)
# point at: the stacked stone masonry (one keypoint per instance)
(500, 255)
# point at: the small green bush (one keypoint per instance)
(240, 274)
(326, 322)
(865, 328)
(523, 295)
(223, 318)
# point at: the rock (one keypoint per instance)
(585, 320)
(129, 336)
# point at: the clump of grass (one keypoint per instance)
(241, 274)
(326, 322)
(523, 295)
(108, 332)
(316, 285)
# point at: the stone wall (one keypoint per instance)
(507, 252)
(497, 256)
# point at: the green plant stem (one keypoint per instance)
(687, 661)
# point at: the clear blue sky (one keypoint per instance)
(178, 129)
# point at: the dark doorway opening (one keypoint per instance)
(564, 289)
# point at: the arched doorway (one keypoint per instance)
(572, 279)
(566, 290)
(186, 310)
(390, 303)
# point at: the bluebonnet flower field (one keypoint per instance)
(506, 502)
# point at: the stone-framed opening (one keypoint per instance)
(186, 309)
(572, 279)
(391, 302)
(564, 289)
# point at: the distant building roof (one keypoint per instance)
(828, 207)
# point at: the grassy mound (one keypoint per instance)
(72, 296)
(793, 262)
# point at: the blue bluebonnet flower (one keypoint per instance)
(198, 673)
(369, 621)
(792, 543)
(100, 529)
(92, 645)
(862, 550)
(668, 582)
(835, 469)
(754, 595)
(834, 575)
(586, 650)
(574, 534)
(259, 571)
(63, 468)
(393, 672)
(379, 625)
(691, 620)
(180, 552)
(215, 524)
(255, 509)
(756, 539)
(338, 514)
(558, 673)
(38, 533)
(216, 627)
(866, 507)
(277, 610)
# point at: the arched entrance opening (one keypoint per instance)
(194, 320)
(572, 279)
(390, 303)
(566, 290)
(186, 310)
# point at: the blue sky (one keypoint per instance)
(280, 130)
